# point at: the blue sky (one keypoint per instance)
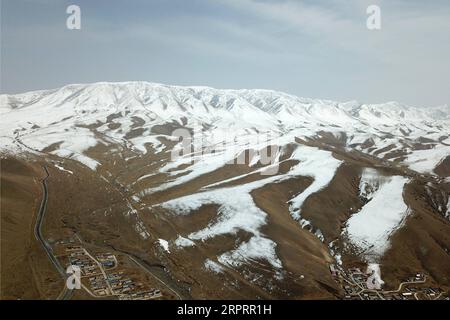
(317, 49)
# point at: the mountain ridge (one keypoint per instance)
(199, 88)
(392, 129)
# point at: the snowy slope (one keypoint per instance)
(237, 210)
(390, 131)
(369, 230)
(139, 118)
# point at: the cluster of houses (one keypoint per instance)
(99, 286)
(78, 257)
(100, 277)
(107, 260)
(354, 283)
(142, 295)
(127, 289)
(120, 284)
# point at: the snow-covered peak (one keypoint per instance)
(199, 98)
(390, 131)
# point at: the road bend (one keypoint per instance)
(65, 293)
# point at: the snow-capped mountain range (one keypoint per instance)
(342, 179)
(416, 137)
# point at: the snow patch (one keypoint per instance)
(255, 249)
(62, 168)
(315, 163)
(213, 266)
(369, 229)
(184, 242)
(370, 182)
(374, 280)
(164, 244)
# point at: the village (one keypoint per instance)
(357, 286)
(101, 273)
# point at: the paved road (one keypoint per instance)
(405, 283)
(101, 270)
(391, 291)
(66, 293)
(155, 271)
(143, 266)
(159, 274)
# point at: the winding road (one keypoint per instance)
(66, 293)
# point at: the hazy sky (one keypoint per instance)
(310, 48)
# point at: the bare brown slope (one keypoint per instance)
(26, 272)
(329, 208)
(300, 251)
(422, 244)
(443, 168)
(91, 206)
